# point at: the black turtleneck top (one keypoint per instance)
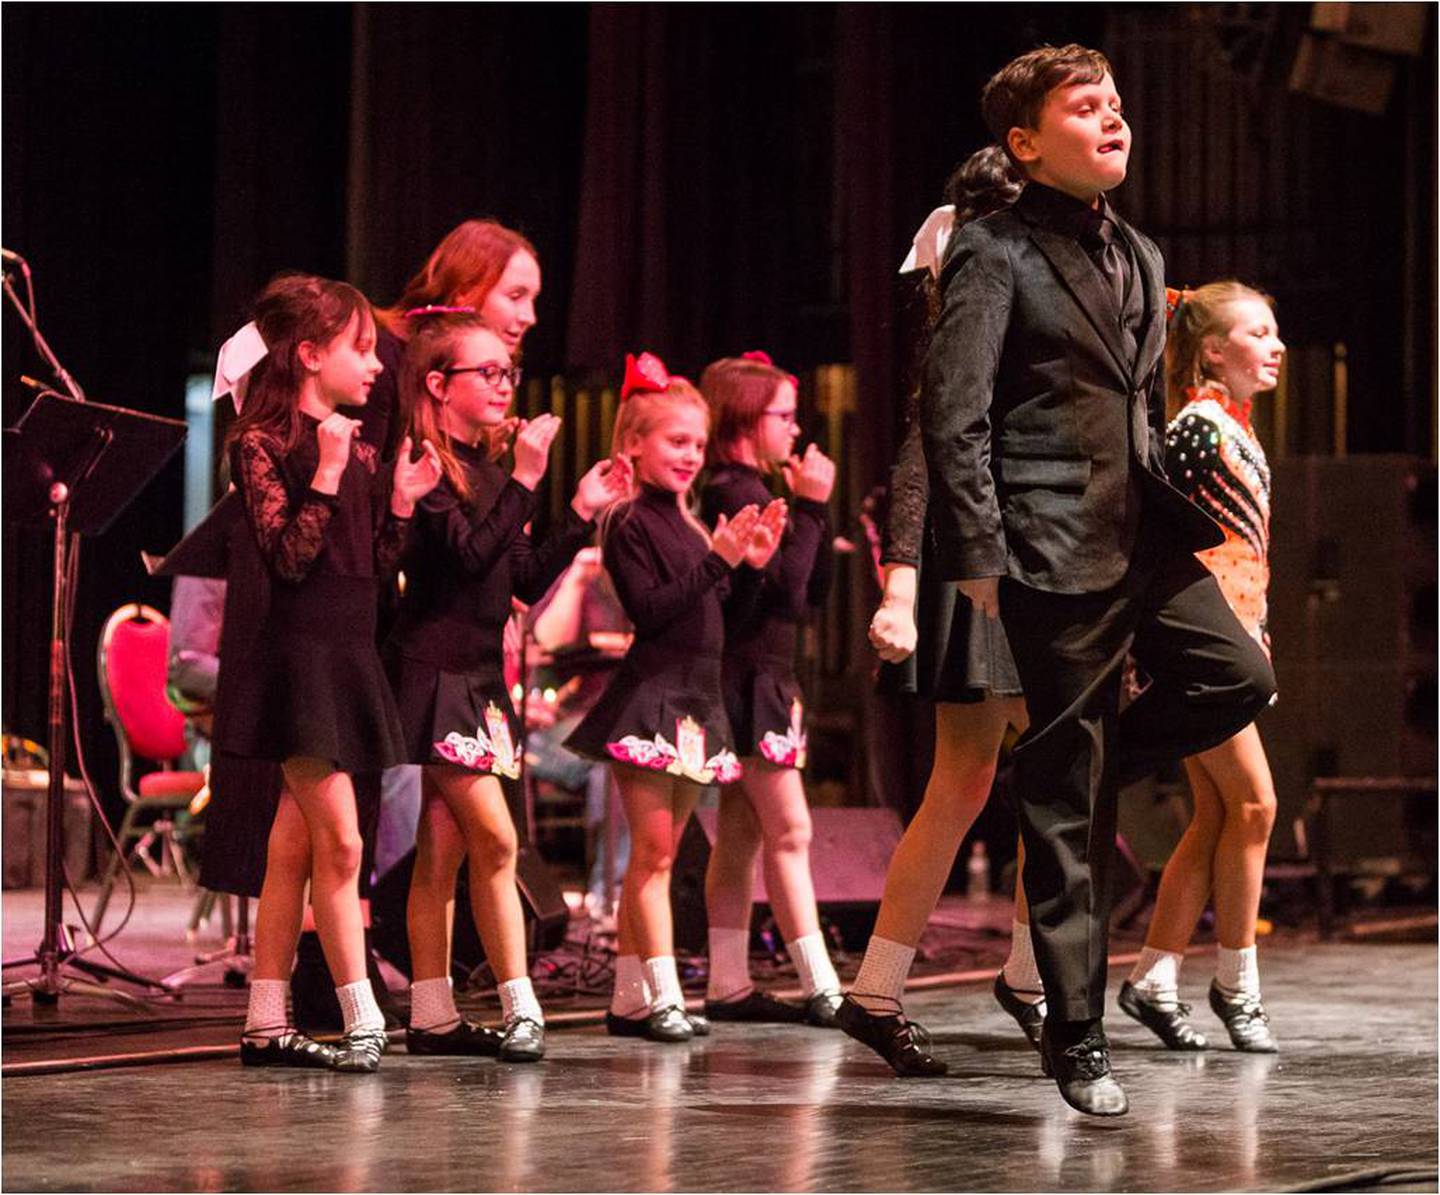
(465, 560)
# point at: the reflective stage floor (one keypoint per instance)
(1352, 1095)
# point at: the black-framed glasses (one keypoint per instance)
(490, 373)
(792, 416)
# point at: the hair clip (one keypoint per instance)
(645, 373)
(764, 358)
(438, 309)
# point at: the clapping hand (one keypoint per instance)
(604, 483)
(532, 448)
(768, 533)
(413, 478)
(732, 536)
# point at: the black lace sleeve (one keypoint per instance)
(391, 531)
(909, 495)
(289, 534)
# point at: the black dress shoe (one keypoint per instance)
(1030, 1017)
(618, 1026)
(903, 1044)
(289, 1048)
(756, 1006)
(523, 1041)
(699, 1024)
(822, 1010)
(466, 1038)
(1082, 1073)
(359, 1050)
(1167, 1022)
(1245, 1021)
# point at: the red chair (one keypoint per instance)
(131, 662)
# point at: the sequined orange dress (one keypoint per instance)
(1213, 456)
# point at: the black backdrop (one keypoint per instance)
(699, 179)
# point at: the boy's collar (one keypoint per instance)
(1062, 212)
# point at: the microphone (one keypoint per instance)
(11, 258)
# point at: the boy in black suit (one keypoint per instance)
(1043, 415)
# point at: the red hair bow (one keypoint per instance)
(764, 358)
(645, 373)
(1174, 300)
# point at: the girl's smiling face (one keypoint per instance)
(509, 306)
(671, 453)
(1246, 359)
(476, 387)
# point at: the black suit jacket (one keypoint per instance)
(1044, 432)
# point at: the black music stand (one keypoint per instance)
(76, 465)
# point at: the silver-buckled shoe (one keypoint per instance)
(359, 1050)
(523, 1040)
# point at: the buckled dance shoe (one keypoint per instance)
(467, 1038)
(1168, 1023)
(1245, 1021)
(669, 1024)
(903, 1044)
(289, 1048)
(699, 1023)
(1030, 1017)
(755, 1006)
(359, 1050)
(1082, 1073)
(522, 1041)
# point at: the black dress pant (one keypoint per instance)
(1209, 681)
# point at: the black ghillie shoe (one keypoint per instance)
(618, 1026)
(669, 1024)
(1168, 1023)
(466, 1038)
(288, 1048)
(1030, 1017)
(699, 1023)
(903, 1044)
(1245, 1021)
(359, 1050)
(1082, 1073)
(755, 1006)
(822, 1010)
(523, 1040)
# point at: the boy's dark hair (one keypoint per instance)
(1013, 97)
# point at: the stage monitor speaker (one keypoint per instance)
(1352, 618)
(849, 854)
(546, 914)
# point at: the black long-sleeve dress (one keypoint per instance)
(960, 656)
(663, 708)
(762, 694)
(444, 654)
(312, 684)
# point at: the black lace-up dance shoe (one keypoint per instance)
(756, 1006)
(903, 1044)
(523, 1040)
(466, 1038)
(359, 1050)
(1245, 1021)
(1166, 1021)
(822, 1010)
(287, 1048)
(1030, 1017)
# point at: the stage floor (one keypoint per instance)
(1352, 1096)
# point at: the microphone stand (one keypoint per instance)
(56, 951)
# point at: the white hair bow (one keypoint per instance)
(237, 357)
(927, 248)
